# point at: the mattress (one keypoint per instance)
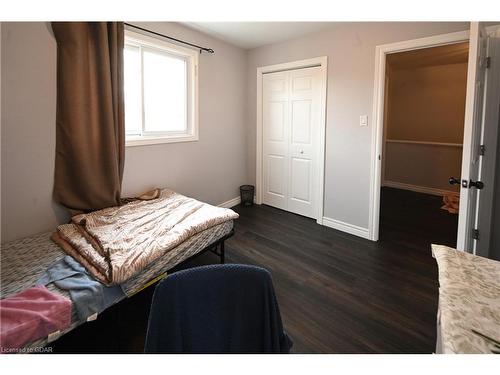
(24, 261)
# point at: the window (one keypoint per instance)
(160, 91)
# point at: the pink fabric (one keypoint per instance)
(32, 314)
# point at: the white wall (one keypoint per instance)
(211, 169)
(350, 48)
(427, 103)
(424, 104)
(427, 167)
(28, 129)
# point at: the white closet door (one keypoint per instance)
(305, 114)
(291, 121)
(276, 130)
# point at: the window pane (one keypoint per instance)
(132, 78)
(165, 92)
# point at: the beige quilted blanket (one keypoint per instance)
(469, 302)
(117, 242)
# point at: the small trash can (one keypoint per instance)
(247, 193)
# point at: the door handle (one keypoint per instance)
(466, 184)
(456, 181)
(477, 184)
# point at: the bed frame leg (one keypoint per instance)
(222, 253)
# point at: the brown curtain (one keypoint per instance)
(90, 130)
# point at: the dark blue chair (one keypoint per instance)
(226, 308)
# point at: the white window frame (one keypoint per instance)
(191, 57)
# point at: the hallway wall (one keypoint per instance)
(425, 122)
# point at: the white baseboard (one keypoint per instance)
(346, 227)
(235, 201)
(326, 221)
(231, 203)
(418, 189)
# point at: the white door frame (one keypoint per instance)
(322, 63)
(381, 52)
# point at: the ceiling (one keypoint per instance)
(442, 55)
(250, 35)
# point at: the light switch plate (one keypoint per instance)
(363, 120)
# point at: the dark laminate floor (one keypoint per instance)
(337, 293)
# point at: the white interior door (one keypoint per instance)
(489, 143)
(473, 128)
(291, 127)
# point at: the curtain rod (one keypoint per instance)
(209, 50)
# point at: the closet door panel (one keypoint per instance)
(304, 140)
(276, 130)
